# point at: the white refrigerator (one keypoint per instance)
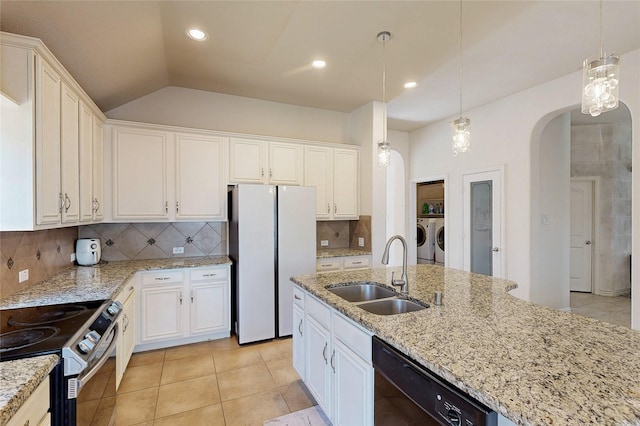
(272, 236)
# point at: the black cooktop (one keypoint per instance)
(41, 330)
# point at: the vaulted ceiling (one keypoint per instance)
(121, 50)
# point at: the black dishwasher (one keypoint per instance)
(408, 393)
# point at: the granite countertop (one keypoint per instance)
(102, 281)
(325, 253)
(18, 380)
(533, 364)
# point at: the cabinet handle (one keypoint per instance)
(131, 288)
(181, 298)
(324, 353)
(125, 322)
(93, 205)
(270, 172)
(300, 327)
(177, 206)
(166, 207)
(328, 208)
(333, 365)
(295, 296)
(97, 205)
(26, 423)
(335, 208)
(67, 203)
(60, 203)
(191, 296)
(262, 172)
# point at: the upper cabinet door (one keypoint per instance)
(285, 164)
(140, 174)
(345, 184)
(318, 172)
(200, 186)
(86, 163)
(69, 173)
(98, 169)
(48, 199)
(247, 160)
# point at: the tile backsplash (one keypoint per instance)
(128, 241)
(344, 233)
(43, 253)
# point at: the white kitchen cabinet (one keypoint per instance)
(180, 306)
(69, 152)
(98, 169)
(345, 263)
(126, 329)
(35, 410)
(298, 341)
(263, 162)
(140, 174)
(39, 154)
(159, 174)
(334, 172)
(338, 365)
(91, 165)
(200, 183)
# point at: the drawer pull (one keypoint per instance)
(326, 266)
(162, 278)
(209, 275)
(131, 288)
(356, 263)
(295, 296)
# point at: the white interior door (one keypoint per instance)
(581, 235)
(483, 223)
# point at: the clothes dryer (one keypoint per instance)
(439, 240)
(425, 233)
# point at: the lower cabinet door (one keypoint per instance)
(319, 373)
(298, 341)
(353, 387)
(127, 338)
(208, 304)
(161, 316)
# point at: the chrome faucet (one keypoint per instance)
(403, 282)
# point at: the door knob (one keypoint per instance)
(587, 242)
(495, 249)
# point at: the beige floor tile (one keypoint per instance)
(85, 412)
(110, 389)
(224, 344)
(187, 368)
(106, 413)
(254, 409)
(136, 407)
(233, 359)
(141, 377)
(245, 381)
(144, 358)
(297, 396)
(187, 395)
(95, 387)
(211, 415)
(184, 351)
(282, 371)
(277, 349)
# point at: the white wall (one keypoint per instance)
(200, 109)
(550, 185)
(502, 134)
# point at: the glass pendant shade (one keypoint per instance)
(384, 153)
(461, 135)
(600, 84)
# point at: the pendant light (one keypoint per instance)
(600, 80)
(384, 151)
(460, 127)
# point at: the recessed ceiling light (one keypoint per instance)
(196, 34)
(319, 64)
(410, 85)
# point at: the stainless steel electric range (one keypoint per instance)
(83, 334)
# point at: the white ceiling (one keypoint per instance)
(121, 50)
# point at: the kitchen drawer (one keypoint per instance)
(357, 262)
(161, 277)
(328, 265)
(35, 408)
(353, 336)
(126, 291)
(318, 310)
(298, 296)
(209, 274)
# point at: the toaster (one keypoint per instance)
(88, 251)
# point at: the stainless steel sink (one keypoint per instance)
(361, 292)
(391, 306)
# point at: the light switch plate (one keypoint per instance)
(178, 250)
(72, 257)
(324, 243)
(23, 275)
(360, 241)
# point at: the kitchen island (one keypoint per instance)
(532, 364)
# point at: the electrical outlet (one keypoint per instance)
(178, 250)
(23, 275)
(324, 243)
(360, 241)
(73, 257)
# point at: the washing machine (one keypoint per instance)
(425, 236)
(439, 240)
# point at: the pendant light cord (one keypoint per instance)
(460, 58)
(600, 17)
